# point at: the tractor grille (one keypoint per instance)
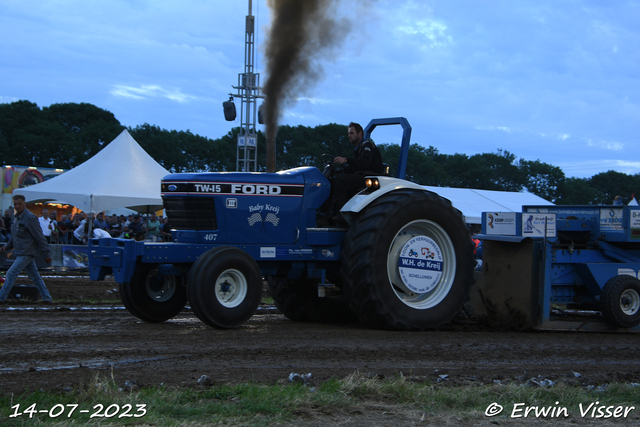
(191, 213)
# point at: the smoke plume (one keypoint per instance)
(303, 34)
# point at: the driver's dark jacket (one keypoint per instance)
(367, 159)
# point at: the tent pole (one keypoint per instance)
(90, 232)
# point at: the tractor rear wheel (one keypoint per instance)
(408, 262)
(621, 301)
(151, 296)
(298, 300)
(224, 287)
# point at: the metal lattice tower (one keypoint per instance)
(248, 91)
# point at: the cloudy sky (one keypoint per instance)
(554, 80)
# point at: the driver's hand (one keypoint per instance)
(340, 160)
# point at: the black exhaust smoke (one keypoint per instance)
(303, 33)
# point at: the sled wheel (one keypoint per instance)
(407, 262)
(225, 287)
(298, 300)
(621, 301)
(151, 296)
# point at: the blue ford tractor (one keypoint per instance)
(405, 262)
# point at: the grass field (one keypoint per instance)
(354, 400)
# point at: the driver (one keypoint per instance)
(366, 161)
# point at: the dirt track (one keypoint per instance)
(57, 347)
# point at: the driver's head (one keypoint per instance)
(355, 133)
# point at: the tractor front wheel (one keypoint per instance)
(224, 287)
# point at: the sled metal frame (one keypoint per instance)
(528, 277)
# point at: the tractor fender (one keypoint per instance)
(366, 196)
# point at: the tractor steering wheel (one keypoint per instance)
(330, 168)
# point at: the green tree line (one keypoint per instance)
(65, 135)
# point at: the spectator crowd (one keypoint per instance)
(74, 229)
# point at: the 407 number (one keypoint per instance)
(210, 237)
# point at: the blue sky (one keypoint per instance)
(556, 81)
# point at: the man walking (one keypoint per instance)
(27, 241)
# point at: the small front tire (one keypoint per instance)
(151, 296)
(224, 287)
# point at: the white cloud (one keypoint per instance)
(292, 114)
(7, 99)
(150, 91)
(628, 164)
(435, 32)
(318, 101)
(607, 145)
(500, 128)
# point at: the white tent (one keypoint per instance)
(472, 202)
(121, 175)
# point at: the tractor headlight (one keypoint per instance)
(372, 184)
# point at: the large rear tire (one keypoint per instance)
(298, 300)
(151, 296)
(407, 262)
(621, 301)
(224, 287)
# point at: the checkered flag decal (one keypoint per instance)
(271, 218)
(256, 217)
